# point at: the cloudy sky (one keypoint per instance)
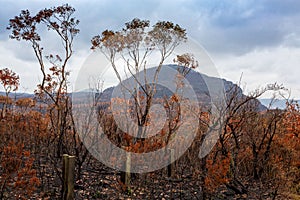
(259, 40)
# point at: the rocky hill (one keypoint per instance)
(198, 82)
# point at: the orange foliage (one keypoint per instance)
(18, 173)
(9, 80)
(25, 103)
(4, 99)
(291, 139)
(217, 172)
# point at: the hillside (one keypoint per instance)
(198, 83)
(17, 95)
(274, 104)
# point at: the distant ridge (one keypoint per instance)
(17, 95)
(196, 80)
(277, 103)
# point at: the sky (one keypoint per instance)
(255, 41)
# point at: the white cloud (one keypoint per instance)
(263, 66)
(28, 70)
(259, 38)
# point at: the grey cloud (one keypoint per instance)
(94, 16)
(224, 26)
(279, 7)
(241, 26)
(238, 34)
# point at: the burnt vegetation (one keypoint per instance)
(256, 155)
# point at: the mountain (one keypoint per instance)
(198, 82)
(17, 95)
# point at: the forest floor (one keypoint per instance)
(100, 182)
